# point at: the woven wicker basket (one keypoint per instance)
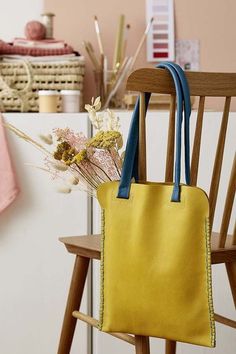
(20, 81)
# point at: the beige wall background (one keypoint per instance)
(210, 21)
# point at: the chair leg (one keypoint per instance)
(142, 345)
(170, 347)
(231, 271)
(73, 303)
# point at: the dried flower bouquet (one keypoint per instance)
(80, 162)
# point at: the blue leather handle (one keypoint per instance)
(187, 113)
(130, 165)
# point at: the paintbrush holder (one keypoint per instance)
(99, 86)
(109, 89)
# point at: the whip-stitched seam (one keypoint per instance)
(209, 282)
(101, 310)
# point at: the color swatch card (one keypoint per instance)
(160, 39)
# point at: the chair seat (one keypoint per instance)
(86, 246)
(90, 246)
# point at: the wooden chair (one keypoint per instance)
(223, 245)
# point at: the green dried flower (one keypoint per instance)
(81, 156)
(57, 155)
(63, 146)
(61, 149)
(104, 139)
(68, 156)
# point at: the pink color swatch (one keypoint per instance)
(160, 40)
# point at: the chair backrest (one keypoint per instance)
(203, 85)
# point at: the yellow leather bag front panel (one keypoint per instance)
(156, 270)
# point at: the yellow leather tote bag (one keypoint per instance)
(156, 266)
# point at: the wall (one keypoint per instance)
(15, 14)
(210, 21)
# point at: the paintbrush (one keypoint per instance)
(125, 42)
(91, 54)
(102, 88)
(119, 43)
(141, 43)
(97, 29)
(105, 64)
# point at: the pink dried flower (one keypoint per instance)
(76, 140)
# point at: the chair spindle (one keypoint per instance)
(228, 206)
(197, 142)
(234, 235)
(215, 181)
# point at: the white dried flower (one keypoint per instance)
(92, 115)
(113, 121)
(96, 120)
(97, 104)
(100, 121)
(60, 166)
(89, 108)
(64, 189)
(73, 180)
(47, 139)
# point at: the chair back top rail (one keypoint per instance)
(200, 83)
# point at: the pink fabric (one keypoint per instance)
(8, 184)
(9, 49)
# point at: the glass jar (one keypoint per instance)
(48, 101)
(70, 101)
